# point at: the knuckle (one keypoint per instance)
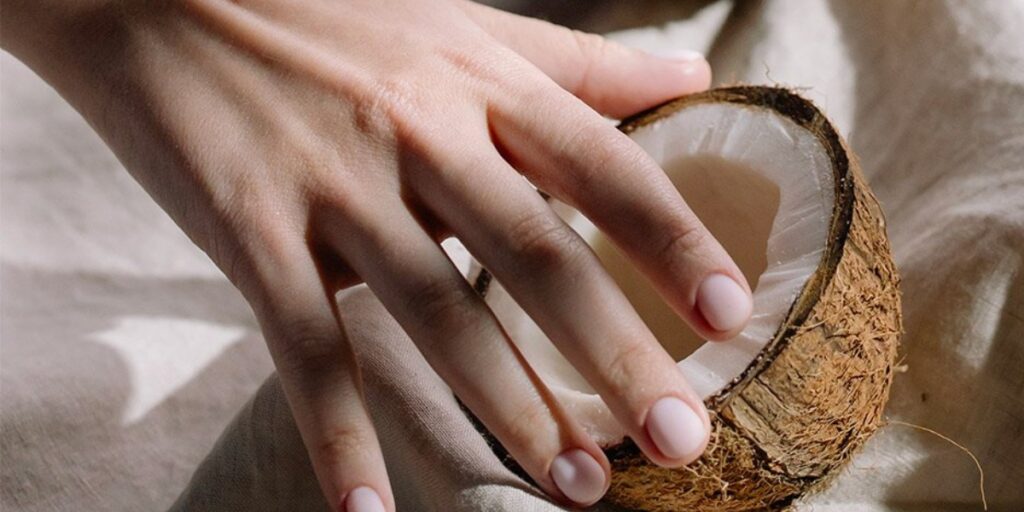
(629, 363)
(242, 198)
(442, 309)
(307, 347)
(224, 252)
(591, 46)
(277, 241)
(593, 49)
(268, 257)
(343, 445)
(319, 164)
(477, 63)
(532, 89)
(344, 205)
(251, 248)
(450, 167)
(490, 71)
(529, 419)
(591, 150)
(543, 243)
(390, 105)
(235, 265)
(684, 240)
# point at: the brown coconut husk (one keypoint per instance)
(817, 390)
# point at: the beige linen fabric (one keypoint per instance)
(124, 353)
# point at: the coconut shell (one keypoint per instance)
(817, 390)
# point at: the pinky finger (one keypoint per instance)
(321, 379)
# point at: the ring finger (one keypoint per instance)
(465, 344)
(321, 379)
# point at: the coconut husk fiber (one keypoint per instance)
(817, 391)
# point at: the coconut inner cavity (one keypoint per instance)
(763, 186)
(736, 204)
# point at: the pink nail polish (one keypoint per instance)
(363, 499)
(676, 429)
(681, 55)
(689, 56)
(578, 476)
(723, 303)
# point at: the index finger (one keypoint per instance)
(578, 157)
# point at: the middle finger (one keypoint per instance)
(551, 272)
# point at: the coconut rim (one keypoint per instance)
(804, 114)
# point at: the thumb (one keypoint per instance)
(613, 79)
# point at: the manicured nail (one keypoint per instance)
(363, 499)
(687, 55)
(675, 427)
(724, 304)
(681, 55)
(578, 476)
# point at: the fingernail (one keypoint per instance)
(675, 427)
(681, 55)
(363, 499)
(724, 304)
(578, 476)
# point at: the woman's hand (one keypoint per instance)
(310, 145)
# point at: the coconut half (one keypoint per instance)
(804, 384)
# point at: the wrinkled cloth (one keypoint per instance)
(124, 355)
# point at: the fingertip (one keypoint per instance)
(579, 476)
(724, 304)
(630, 80)
(699, 76)
(680, 54)
(692, 70)
(679, 431)
(363, 499)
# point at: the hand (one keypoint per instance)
(310, 145)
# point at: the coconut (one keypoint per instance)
(796, 393)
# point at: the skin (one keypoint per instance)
(307, 146)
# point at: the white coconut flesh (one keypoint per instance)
(763, 185)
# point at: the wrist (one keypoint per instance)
(37, 30)
(70, 44)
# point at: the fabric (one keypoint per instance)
(124, 353)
